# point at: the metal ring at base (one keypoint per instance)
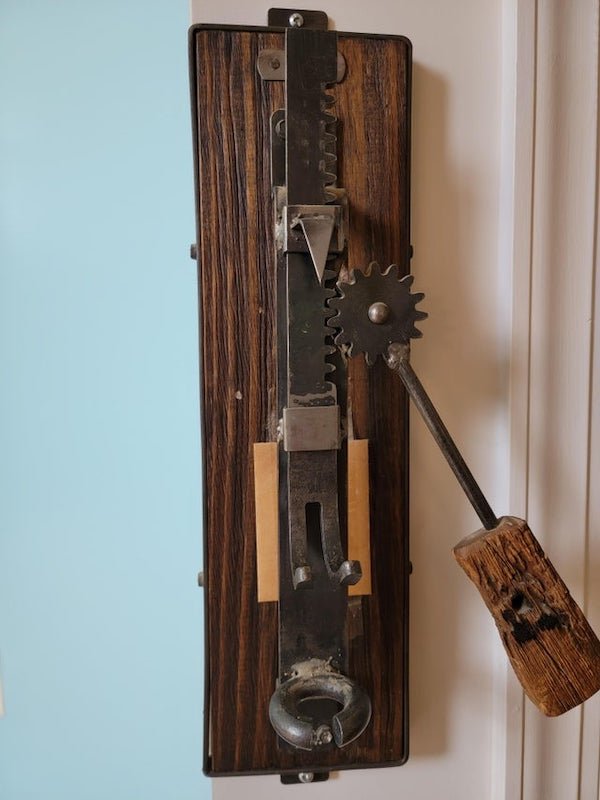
(317, 679)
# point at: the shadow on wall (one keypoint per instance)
(457, 359)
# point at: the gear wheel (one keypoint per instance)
(374, 310)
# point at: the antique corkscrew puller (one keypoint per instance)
(302, 166)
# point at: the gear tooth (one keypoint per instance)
(329, 274)
(421, 314)
(370, 359)
(330, 349)
(392, 271)
(328, 293)
(341, 339)
(407, 280)
(417, 297)
(373, 268)
(328, 126)
(334, 303)
(415, 333)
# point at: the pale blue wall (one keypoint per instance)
(100, 619)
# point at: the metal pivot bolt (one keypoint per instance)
(306, 777)
(296, 20)
(379, 313)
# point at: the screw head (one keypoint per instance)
(275, 63)
(379, 313)
(306, 777)
(201, 579)
(323, 735)
(327, 737)
(296, 20)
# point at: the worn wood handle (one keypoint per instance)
(551, 646)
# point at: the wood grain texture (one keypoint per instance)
(232, 108)
(549, 642)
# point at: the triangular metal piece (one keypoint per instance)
(317, 232)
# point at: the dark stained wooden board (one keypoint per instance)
(232, 107)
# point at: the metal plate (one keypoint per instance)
(280, 18)
(311, 428)
(271, 65)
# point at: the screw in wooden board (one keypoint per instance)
(296, 20)
(306, 777)
(201, 579)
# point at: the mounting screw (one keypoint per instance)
(201, 579)
(280, 129)
(306, 777)
(379, 313)
(297, 21)
(323, 735)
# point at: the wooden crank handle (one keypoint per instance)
(551, 646)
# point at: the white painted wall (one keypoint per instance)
(504, 228)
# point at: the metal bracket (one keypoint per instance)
(289, 236)
(294, 240)
(316, 229)
(297, 18)
(271, 65)
(311, 428)
(303, 777)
